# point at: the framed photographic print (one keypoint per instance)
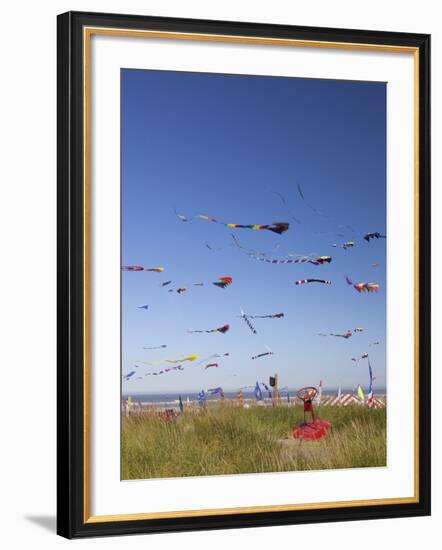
(243, 274)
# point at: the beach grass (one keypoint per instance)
(233, 440)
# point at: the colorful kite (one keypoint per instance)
(363, 287)
(346, 245)
(276, 227)
(193, 357)
(190, 358)
(375, 235)
(304, 281)
(222, 330)
(181, 289)
(141, 268)
(222, 282)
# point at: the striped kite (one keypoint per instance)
(363, 287)
(304, 281)
(375, 235)
(222, 330)
(276, 227)
(141, 268)
(269, 352)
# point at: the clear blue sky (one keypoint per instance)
(222, 145)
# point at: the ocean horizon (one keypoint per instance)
(229, 394)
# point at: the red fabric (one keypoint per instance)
(308, 406)
(312, 431)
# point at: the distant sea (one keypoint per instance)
(248, 394)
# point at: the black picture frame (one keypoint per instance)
(72, 519)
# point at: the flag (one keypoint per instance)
(201, 398)
(370, 388)
(214, 391)
(317, 399)
(339, 395)
(258, 392)
(361, 393)
(181, 404)
(267, 389)
(272, 381)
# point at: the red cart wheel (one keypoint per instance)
(307, 394)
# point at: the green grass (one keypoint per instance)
(229, 440)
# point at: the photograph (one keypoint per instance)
(253, 274)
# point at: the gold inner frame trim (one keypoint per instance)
(88, 32)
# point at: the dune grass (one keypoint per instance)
(229, 440)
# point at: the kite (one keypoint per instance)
(128, 376)
(248, 323)
(162, 361)
(271, 316)
(357, 359)
(188, 358)
(222, 282)
(169, 369)
(375, 235)
(276, 227)
(303, 281)
(346, 245)
(248, 317)
(269, 352)
(144, 306)
(374, 343)
(211, 365)
(345, 335)
(141, 268)
(216, 355)
(222, 330)
(320, 260)
(376, 264)
(363, 287)
(157, 347)
(180, 367)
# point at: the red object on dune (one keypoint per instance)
(316, 429)
(312, 431)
